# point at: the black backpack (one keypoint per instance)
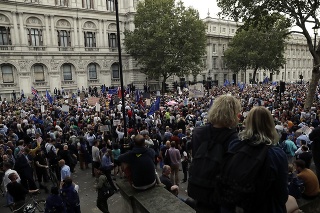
(244, 177)
(207, 161)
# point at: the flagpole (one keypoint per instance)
(120, 69)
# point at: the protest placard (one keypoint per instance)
(93, 100)
(196, 90)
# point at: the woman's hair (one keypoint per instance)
(259, 127)
(224, 111)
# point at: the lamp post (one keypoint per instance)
(315, 31)
(120, 69)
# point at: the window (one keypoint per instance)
(288, 75)
(92, 71)
(215, 76)
(214, 62)
(67, 73)
(5, 38)
(64, 38)
(38, 72)
(232, 30)
(35, 37)
(225, 77)
(7, 73)
(89, 39)
(224, 47)
(113, 40)
(115, 71)
(62, 2)
(110, 5)
(223, 30)
(87, 4)
(214, 50)
(214, 29)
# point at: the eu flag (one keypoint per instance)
(50, 99)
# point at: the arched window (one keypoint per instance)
(7, 73)
(115, 71)
(38, 72)
(92, 68)
(67, 72)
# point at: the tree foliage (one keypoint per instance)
(168, 39)
(258, 46)
(298, 12)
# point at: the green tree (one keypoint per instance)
(168, 39)
(258, 46)
(299, 12)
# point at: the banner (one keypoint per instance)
(196, 90)
(93, 100)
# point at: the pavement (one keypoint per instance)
(88, 194)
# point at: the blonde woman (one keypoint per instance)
(272, 194)
(222, 118)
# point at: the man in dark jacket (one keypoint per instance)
(139, 163)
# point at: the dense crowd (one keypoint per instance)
(42, 138)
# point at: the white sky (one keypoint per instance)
(202, 6)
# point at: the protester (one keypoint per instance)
(272, 193)
(139, 163)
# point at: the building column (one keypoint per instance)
(81, 43)
(22, 31)
(131, 8)
(75, 32)
(15, 32)
(105, 34)
(101, 43)
(48, 39)
(54, 39)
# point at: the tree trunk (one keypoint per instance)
(312, 89)
(313, 84)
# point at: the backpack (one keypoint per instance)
(284, 147)
(51, 155)
(206, 162)
(243, 179)
(70, 197)
(167, 159)
(295, 186)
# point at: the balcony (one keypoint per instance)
(40, 83)
(93, 81)
(92, 49)
(113, 49)
(6, 47)
(66, 48)
(8, 85)
(68, 82)
(37, 48)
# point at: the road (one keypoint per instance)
(88, 195)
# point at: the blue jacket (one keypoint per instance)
(277, 194)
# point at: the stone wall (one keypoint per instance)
(154, 200)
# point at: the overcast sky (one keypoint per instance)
(202, 6)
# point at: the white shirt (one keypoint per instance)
(6, 179)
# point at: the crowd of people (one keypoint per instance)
(41, 138)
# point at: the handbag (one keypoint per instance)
(105, 191)
(167, 159)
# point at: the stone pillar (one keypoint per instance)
(101, 43)
(48, 39)
(15, 33)
(75, 32)
(105, 34)
(54, 39)
(131, 8)
(81, 36)
(22, 31)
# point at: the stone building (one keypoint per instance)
(219, 34)
(67, 44)
(71, 44)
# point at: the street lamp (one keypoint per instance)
(315, 31)
(120, 69)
